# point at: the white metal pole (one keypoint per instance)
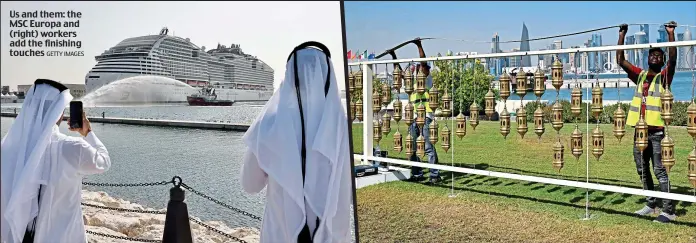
(587, 153)
(367, 111)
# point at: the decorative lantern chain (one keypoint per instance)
(557, 113)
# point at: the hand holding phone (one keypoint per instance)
(78, 120)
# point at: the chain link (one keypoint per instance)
(187, 187)
(211, 228)
(161, 183)
(124, 209)
(121, 237)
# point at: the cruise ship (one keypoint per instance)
(234, 75)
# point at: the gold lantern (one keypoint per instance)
(558, 156)
(667, 99)
(505, 122)
(597, 142)
(359, 109)
(692, 167)
(420, 146)
(397, 110)
(557, 74)
(408, 114)
(352, 111)
(597, 101)
(668, 159)
(522, 121)
(351, 82)
(376, 135)
(490, 104)
(420, 82)
(461, 126)
(504, 82)
(433, 98)
(691, 123)
(358, 80)
(408, 82)
(557, 112)
(446, 138)
(539, 85)
(386, 95)
(473, 113)
(576, 102)
(619, 123)
(539, 122)
(376, 106)
(386, 124)
(447, 104)
(396, 85)
(397, 142)
(521, 83)
(433, 132)
(576, 142)
(409, 144)
(420, 119)
(641, 134)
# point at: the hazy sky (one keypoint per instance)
(268, 30)
(381, 25)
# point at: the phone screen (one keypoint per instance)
(75, 114)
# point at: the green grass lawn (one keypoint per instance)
(501, 210)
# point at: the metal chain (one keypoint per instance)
(187, 187)
(124, 209)
(121, 237)
(161, 183)
(211, 228)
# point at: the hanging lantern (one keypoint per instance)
(351, 82)
(597, 142)
(539, 85)
(576, 142)
(420, 146)
(641, 134)
(557, 74)
(490, 104)
(521, 84)
(473, 115)
(558, 156)
(376, 135)
(420, 118)
(359, 110)
(397, 110)
(358, 80)
(692, 167)
(619, 123)
(597, 101)
(446, 104)
(409, 144)
(668, 159)
(576, 102)
(408, 114)
(461, 126)
(433, 132)
(386, 124)
(376, 106)
(504, 82)
(386, 95)
(433, 98)
(420, 82)
(397, 141)
(691, 123)
(505, 122)
(539, 122)
(408, 82)
(396, 85)
(667, 99)
(557, 112)
(352, 111)
(446, 138)
(522, 121)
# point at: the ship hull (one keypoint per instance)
(198, 101)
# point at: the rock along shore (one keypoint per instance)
(146, 225)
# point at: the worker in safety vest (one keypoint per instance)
(416, 99)
(650, 84)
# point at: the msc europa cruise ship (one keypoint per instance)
(234, 75)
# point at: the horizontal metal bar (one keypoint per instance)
(534, 53)
(593, 186)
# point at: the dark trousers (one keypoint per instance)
(653, 152)
(429, 149)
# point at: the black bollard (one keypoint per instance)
(177, 228)
(102, 115)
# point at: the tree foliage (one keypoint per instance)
(468, 78)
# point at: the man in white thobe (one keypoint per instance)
(42, 170)
(320, 206)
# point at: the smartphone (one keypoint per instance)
(75, 114)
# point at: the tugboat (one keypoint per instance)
(207, 97)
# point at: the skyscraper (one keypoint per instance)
(515, 61)
(526, 61)
(688, 51)
(641, 55)
(662, 34)
(495, 64)
(630, 55)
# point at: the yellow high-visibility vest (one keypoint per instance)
(653, 104)
(417, 99)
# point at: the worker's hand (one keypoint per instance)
(670, 26)
(417, 41)
(86, 127)
(623, 28)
